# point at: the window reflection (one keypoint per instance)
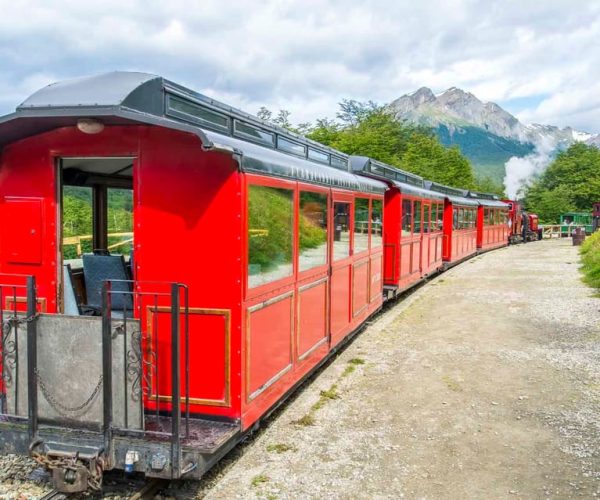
(361, 225)
(376, 223)
(341, 230)
(417, 217)
(313, 230)
(270, 234)
(406, 217)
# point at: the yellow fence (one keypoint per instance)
(76, 240)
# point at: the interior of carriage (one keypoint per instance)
(96, 230)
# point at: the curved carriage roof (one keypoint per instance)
(407, 182)
(454, 195)
(488, 199)
(125, 98)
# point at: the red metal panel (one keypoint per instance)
(360, 287)
(392, 215)
(268, 343)
(376, 286)
(22, 230)
(340, 301)
(312, 316)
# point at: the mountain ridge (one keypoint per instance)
(486, 133)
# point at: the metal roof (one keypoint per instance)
(265, 161)
(125, 98)
(487, 199)
(455, 195)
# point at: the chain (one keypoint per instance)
(95, 468)
(58, 406)
(13, 321)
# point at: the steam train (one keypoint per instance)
(524, 226)
(256, 254)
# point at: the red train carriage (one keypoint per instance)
(515, 221)
(413, 229)
(492, 221)
(459, 223)
(254, 253)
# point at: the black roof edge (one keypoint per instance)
(363, 165)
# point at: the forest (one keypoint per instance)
(570, 183)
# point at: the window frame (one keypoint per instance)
(378, 247)
(361, 196)
(257, 180)
(329, 253)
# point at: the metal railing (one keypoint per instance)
(18, 309)
(144, 359)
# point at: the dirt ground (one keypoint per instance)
(484, 383)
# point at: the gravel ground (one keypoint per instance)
(484, 383)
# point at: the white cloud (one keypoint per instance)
(308, 55)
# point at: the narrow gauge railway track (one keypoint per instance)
(145, 492)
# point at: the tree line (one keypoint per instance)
(368, 129)
(571, 183)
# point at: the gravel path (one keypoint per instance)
(484, 383)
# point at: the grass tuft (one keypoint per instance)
(348, 370)
(356, 361)
(590, 260)
(260, 479)
(280, 448)
(305, 421)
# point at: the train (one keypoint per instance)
(257, 253)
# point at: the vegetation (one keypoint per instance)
(260, 479)
(280, 448)
(590, 258)
(367, 129)
(570, 183)
(77, 217)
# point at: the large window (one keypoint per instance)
(313, 230)
(376, 223)
(78, 222)
(417, 217)
(270, 234)
(406, 217)
(425, 218)
(341, 230)
(439, 217)
(361, 225)
(120, 220)
(455, 224)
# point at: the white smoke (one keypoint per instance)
(520, 171)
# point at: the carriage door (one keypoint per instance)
(96, 213)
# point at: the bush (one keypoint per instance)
(590, 258)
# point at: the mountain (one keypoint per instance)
(487, 134)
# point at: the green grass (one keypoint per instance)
(305, 421)
(590, 259)
(280, 448)
(260, 479)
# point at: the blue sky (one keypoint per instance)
(539, 60)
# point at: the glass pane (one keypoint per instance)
(313, 154)
(417, 217)
(313, 230)
(270, 234)
(406, 217)
(254, 133)
(425, 218)
(341, 230)
(361, 225)
(376, 223)
(193, 112)
(77, 223)
(291, 147)
(339, 163)
(120, 221)
(440, 217)
(455, 218)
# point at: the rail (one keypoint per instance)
(143, 361)
(18, 309)
(550, 231)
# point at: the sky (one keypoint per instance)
(539, 60)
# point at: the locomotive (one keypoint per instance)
(524, 226)
(256, 254)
